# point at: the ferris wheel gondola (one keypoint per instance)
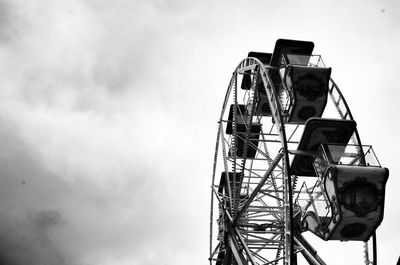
(285, 163)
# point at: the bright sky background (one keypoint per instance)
(109, 109)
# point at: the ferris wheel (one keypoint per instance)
(289, 159)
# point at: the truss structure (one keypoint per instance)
(257, 203)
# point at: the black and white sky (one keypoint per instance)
(108, 118)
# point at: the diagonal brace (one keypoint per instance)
(260, 185)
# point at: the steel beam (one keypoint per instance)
(259, 186)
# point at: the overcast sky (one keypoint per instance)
(109, 110)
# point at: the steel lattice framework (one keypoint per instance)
(255, 209)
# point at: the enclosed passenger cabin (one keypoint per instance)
(234, 181)
(308, 91)
(265, 58)
(262, 104)
(241, 130)
(301, 80)
(282, 47)
(318, 131)
(353, 183)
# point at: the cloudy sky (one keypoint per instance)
(108, 117)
